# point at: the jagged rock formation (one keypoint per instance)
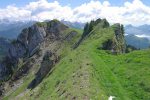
(31, 38)
(4, 46)
(38, 45)
(29, 42)
(117, 43)
(49, 60)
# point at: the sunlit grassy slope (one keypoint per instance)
(88, 73)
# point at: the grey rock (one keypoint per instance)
(29, 41)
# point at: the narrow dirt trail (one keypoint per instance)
(77, 83)
(85, 83)
(81, 81)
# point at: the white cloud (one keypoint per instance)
(106, 3)
(135, 12)
(14, 13)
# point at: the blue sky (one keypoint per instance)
(72, 3)
(135, 12)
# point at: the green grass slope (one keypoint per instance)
(88, 73)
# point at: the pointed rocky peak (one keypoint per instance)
(118, 28)
(117, 43)
(53, 26)
(32, 39)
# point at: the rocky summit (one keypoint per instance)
(32, 39)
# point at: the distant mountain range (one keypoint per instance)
(10, 30)
(139, 36)
(77, 25)
(138, 30)
(138, 42)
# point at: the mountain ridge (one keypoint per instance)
(96, 69)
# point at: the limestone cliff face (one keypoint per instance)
(48, 61)
(120, 45)
(28, 42)
(117, 43)
(31, 37)
(4, 46)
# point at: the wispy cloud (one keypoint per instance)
(135, 13)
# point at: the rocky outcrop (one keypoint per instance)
(28, 43)
(119, 40)
(23, 70)
(70, 36)
(4, 71)
(117, 43)
(1, 90)
(31, 37)
(4, 47)
(47, 64)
